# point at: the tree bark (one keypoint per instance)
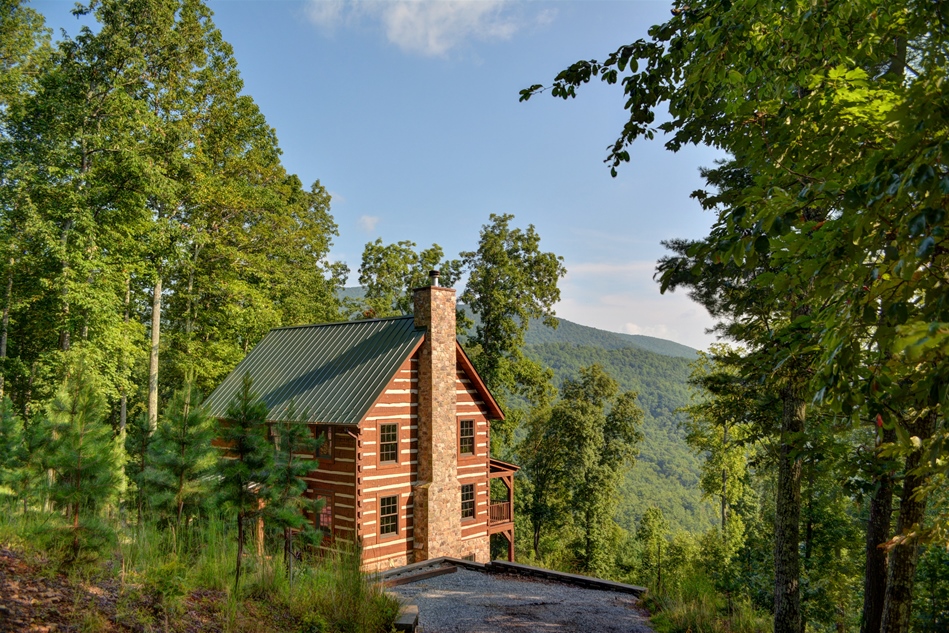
(878, 531)
(898, 605)
(536, 527)
(724, 483)
(153, 355)
(787, 562)
(123, 401)
(240, 549)
(8, 297)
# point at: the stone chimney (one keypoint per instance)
(437, 503)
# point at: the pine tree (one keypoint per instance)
(138, 438)
(84, 459)
(11, 442)
(288, 507)
(180, 458)
(245, 464)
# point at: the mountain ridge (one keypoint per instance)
(569, 331)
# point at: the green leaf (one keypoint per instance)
(762, 245)
(926, 248)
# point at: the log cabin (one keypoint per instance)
(405, 469)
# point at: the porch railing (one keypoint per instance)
(499, 512)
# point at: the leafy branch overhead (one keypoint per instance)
(826, 259)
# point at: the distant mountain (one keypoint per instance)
(570, 332)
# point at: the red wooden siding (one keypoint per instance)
(336, 477)
(397, 405)
(473, 469)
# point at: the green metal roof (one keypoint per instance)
(334, 372)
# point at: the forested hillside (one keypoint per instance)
(570, 332)
(666, 473)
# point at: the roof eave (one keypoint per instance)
(492, 404)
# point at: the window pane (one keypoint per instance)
(467, 437)
(389, 443)
(326, 448)
(467, 501)
(326, 514)
(388, 515)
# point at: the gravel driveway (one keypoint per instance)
(475, 602)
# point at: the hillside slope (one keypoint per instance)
(666, 473)
(583, 335)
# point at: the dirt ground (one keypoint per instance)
(34, 597)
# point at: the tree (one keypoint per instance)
(510, 281)
(24, 49)
(138, 439)
(842, 142)
(542, 457)
(84, 460)
(11, 441)
(598, 429)
(651, 533)
(245, 464)
(390, 272)
(288, 506)
(180, 460)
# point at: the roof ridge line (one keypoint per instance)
(293, 327)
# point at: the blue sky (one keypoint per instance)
(407, 111)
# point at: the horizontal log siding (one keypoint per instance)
(337, 476)
(398, 404)
(473, 469)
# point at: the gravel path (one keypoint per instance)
(474, 602)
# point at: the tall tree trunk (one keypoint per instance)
(189, 328)
(288, 552)
(724, 483)
(898, 605)
(5, 325)
(123, 401)
(153, 355)
(787, 562)
(240, 549)
(28, 396)
(64, 333)
(878, 531)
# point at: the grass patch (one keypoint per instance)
(162, 581)
(696, 607)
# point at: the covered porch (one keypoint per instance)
(501, 510)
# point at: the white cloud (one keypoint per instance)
(658, 331)
(671, 316)
(428, 27)
(326, 14)
(621, 296)
(368, 222)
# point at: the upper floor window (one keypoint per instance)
(467, 443)
(388, 442)
(325, 451)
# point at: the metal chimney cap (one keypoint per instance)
(433, 277)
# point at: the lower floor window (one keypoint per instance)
(326, 513)
(388, 515)
(467, 501)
